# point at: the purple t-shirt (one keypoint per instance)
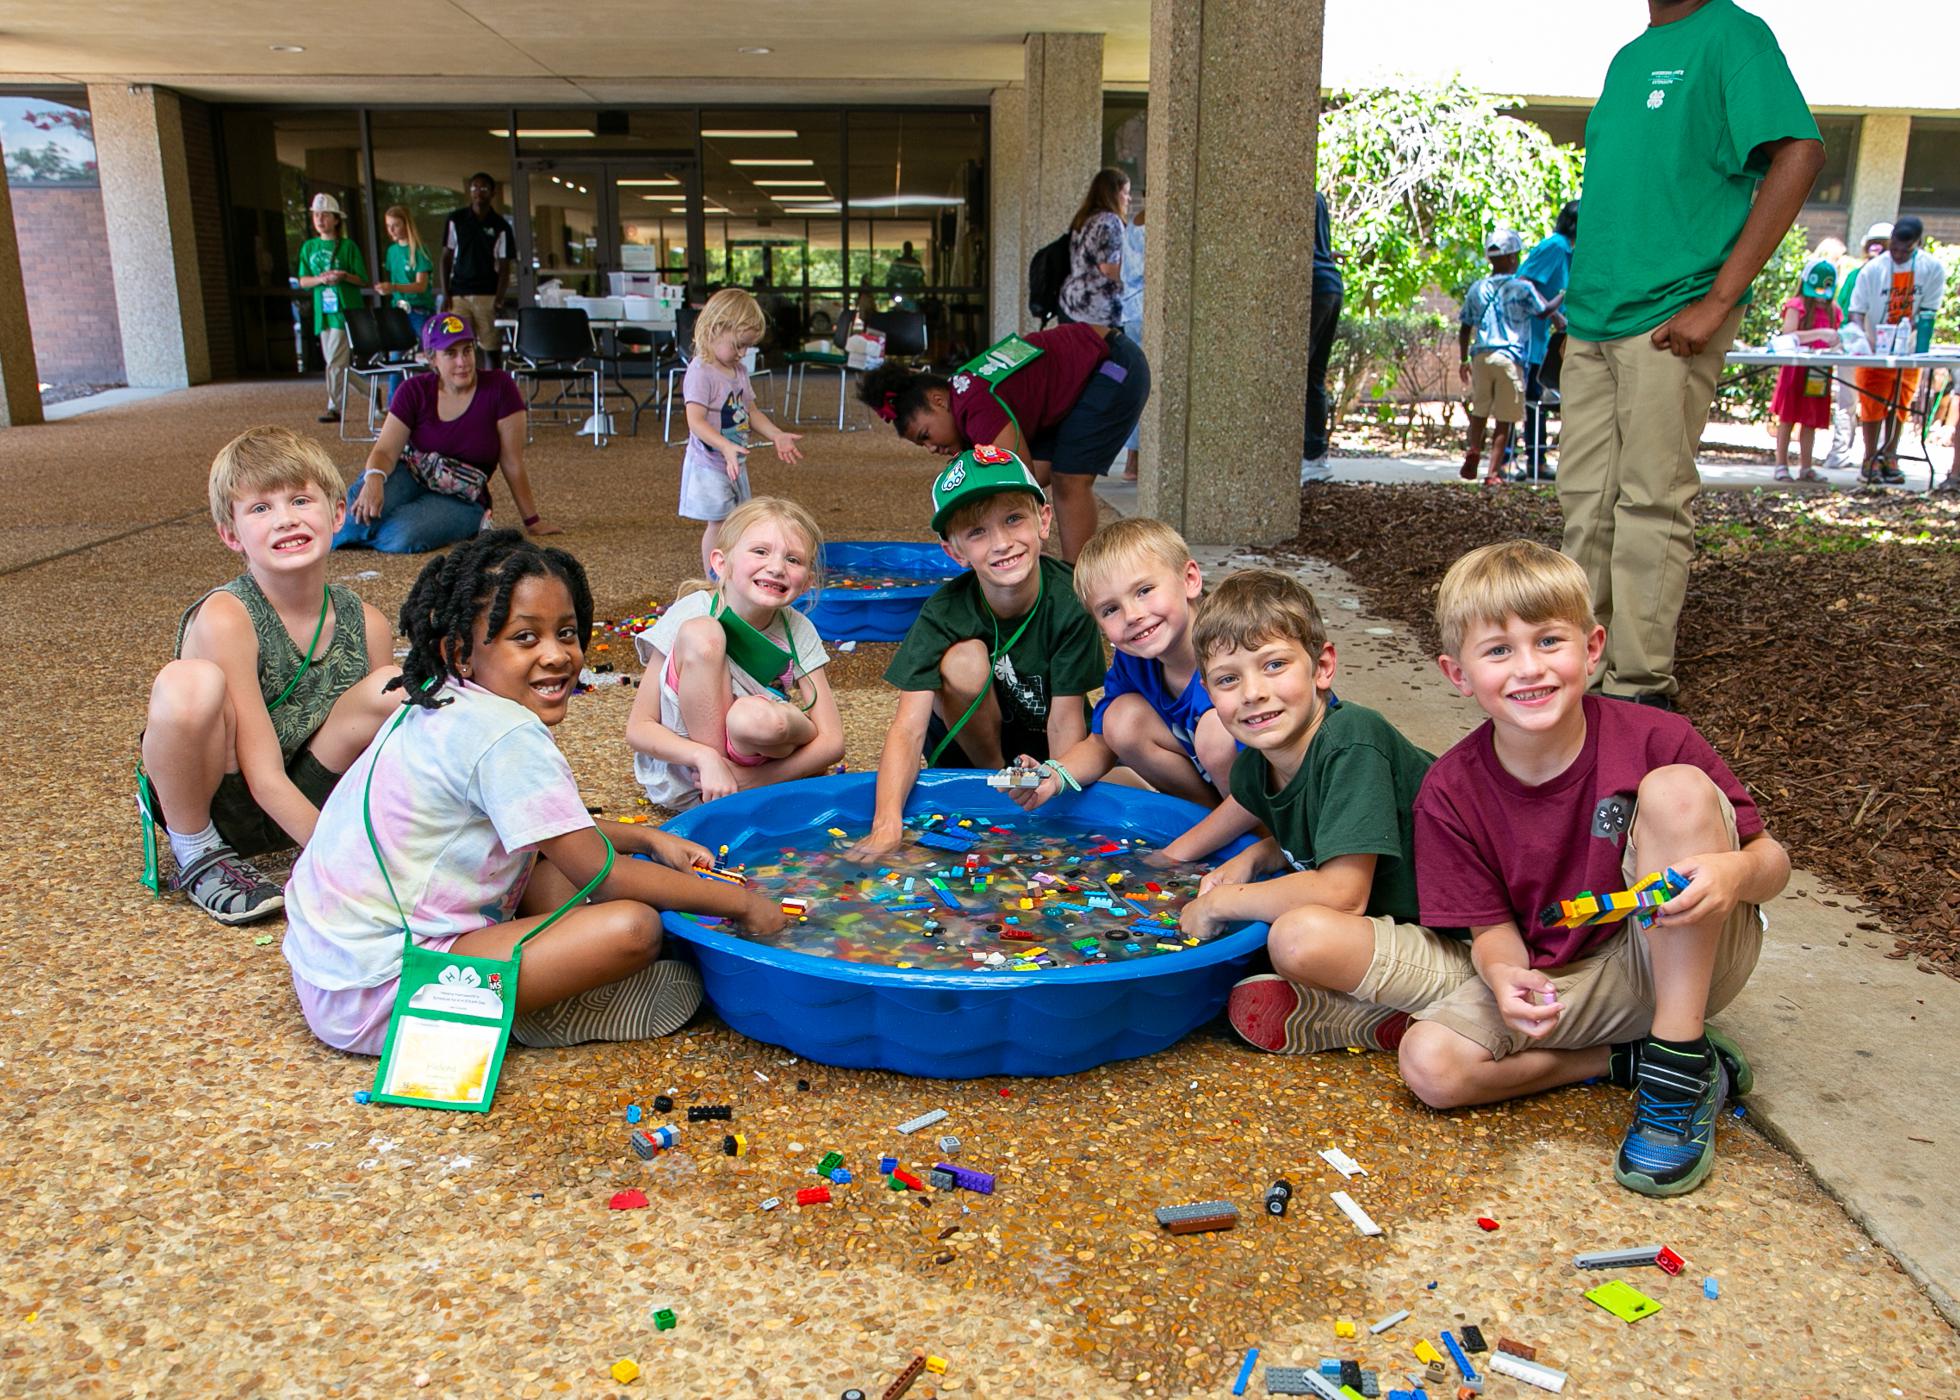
(470, 438)
(1490, 848)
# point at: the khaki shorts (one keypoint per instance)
(1496, 387)
(1609, 996)
(1413, 969)
(481, 313)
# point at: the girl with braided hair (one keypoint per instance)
(1066, 413)
(483, 831)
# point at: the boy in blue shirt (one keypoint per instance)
(1139, 583)
(1493, 339)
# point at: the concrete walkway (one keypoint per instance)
(1852, 1049)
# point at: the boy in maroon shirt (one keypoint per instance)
(1562, 792)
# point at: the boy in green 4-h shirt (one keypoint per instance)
(1699, 153)
(1002, 656)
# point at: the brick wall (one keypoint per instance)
(71, 297)
(208, 217)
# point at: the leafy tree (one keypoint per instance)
(49, 164)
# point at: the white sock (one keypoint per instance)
(188, 849)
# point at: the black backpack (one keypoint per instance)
(1047, 270)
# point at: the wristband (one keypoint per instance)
(531, 520)
(373, 471)
(1054, 766)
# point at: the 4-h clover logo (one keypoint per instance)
(460, 976)
(1654, 100)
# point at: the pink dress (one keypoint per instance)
(1803, 396)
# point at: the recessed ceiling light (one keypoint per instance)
(666, 198)
(755, 49)
(771, 133)
(802, 199)
(287, 48)
(543, 133)
(784, 160)
(665, 180)
(786, 184)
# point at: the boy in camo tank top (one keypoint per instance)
(276, 685)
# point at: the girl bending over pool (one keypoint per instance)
(735, 694)
(483, 830)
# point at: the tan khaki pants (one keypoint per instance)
(1627, 480)
(337, 350)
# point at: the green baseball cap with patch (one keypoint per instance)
(977, 472)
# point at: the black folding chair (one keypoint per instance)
(554, 345)
(373, 362)
(799, 363)
(684, 319)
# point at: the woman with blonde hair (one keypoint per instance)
(407, 269)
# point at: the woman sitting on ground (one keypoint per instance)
(427, 481)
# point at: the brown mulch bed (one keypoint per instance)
(1817, 653)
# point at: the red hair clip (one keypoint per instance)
(888, 410)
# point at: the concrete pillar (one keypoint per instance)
(1006, 177)
(1234, 111)
(1878, 182)
(146, 202)
(20, 384)
(1063, 145)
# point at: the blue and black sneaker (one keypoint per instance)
(1670, 1146)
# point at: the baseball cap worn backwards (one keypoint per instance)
(976, 473)
(1502, 242)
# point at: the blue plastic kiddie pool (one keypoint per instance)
(946, 1024)
(875, 614)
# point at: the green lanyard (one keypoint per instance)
(326, 601)
(367, 820)
(993, 660)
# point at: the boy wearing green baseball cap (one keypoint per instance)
(1001, 658)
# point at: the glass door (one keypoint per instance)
(581, 221)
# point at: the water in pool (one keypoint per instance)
(965, 893)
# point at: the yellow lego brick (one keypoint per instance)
(625, 1371)
(1344, 1328)
(1425, 1353)
(936, 1365)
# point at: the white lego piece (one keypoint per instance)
(1530, 1372)
(1342, 1163)
(924, 1120)
(1362, 1221)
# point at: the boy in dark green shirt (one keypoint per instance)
(1334, 785)
(1001, 657)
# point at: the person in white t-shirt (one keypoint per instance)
(483, 832)
(705, 722)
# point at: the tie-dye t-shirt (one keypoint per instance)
(461, 794)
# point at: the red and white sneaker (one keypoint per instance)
(1288, 1019)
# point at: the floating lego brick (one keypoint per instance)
(949, 1146)
(1277, 1195)
(813, 1195)
(1382, 1326)
(946, 841)
(905, 1378)
(1518, 1349)
(1245, 1371)
(722, 873)
(1530, 1372)
(796, 908)
(1362, 1220)
(1298, 1380)
(1473, 1339)
(708, 1113)
(940, 1179)
(924, 1120)
(967, 1179)
(663, 1321)
(1011, 778)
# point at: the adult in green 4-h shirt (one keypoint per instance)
(331, 266)
(1699, 154)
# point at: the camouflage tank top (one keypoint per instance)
(341, 663)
